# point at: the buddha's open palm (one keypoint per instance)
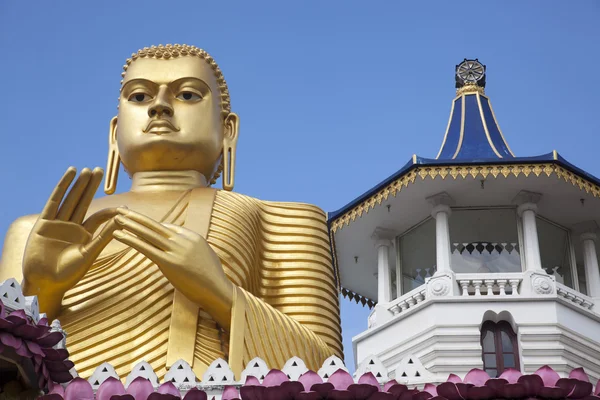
(60, 248)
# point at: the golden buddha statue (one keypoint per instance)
(174, 269)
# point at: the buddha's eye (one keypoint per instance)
(139, 97)
(189, 96)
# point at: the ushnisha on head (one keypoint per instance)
(174, 115)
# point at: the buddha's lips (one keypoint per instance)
(156, 124)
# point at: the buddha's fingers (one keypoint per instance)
(146, 221)
(87, 196)
(93, 222)
(144, 233)
(51, 207)
(100, 241)
(67, 207)
(138, 244)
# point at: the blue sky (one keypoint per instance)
(333, 96)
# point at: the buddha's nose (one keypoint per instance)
(161, 105)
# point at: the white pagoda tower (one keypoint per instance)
(475, 259)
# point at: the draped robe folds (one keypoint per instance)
(285, 302)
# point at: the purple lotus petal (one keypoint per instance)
(591, 398)
(251, 380)
(2, 310)
(597, 391)
(463, 388)
(340, 394)
(28, 332)
(362, 391)
(511, 375)
(548, 375)
(276, 393)
(34, 348)
(431, 389)
(340, 379)
(230, 393)
(553, 393)
(422, 396)
(168, 388)
(252, 392)
(532, 383)
(60, 377)
(308, 379)
(449, 391)
(397, 389)
(9, 340)
(140, 388)
(438, 398)
(322, 388)
(497, 384)
(454, 378)
(79, 389)
(369, 379)
(17, 317)
(477, 377)
(308, 396)
(58, 366)
(382, 396)
(389, 384)
(579, 374)
(275, 377)
(51, 396)
(55, 354)
(6, 325)
(291, 389)
(43, 322)
(50, 339)
(575, 388)
(54, 387)
(408, 395)
(122, 397)
(480, 393)
(110, 387)
(195, 394)
(163, 396)
(513, 391)
(23, 351)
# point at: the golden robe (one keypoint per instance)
(277, 254)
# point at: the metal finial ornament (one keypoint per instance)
(470, 72)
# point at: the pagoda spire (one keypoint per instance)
(473, 131)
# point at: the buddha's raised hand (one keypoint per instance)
(60, 248)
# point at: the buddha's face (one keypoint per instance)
(170, 116)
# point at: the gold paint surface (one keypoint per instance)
(172, 268)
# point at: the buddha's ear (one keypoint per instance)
(231, 128)
(113, 162)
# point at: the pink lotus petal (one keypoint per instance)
(579, 373)
(477, 377)
(110, 387)
(532, 383)
(54, 387)
(308, 379)
(168, 388)
(140, 388)
(454, 378)
(275, 377)
(431, 389)
(252, 392)
(389, 384)
(548, 375)
(340, 395)
(79, 389)
(230, 393)
(251, 380)
(362, 391)
(449, 391)
(575, 389)
(369, 379)
(195, 394)
(511, 375)
(340, 379)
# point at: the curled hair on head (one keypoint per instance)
(179, 50)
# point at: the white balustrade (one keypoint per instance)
(477, 285)
(408, 300)
(574, 296)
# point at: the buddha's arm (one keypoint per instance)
(294, 305)
(11, 264)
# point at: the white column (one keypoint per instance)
(383, 243)
(441, 212)
(527, 210)
(590, 260)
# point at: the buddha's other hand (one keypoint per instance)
(184, 257)
(61, 247)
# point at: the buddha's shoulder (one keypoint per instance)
(290, 209)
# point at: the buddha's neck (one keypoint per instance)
(160, 181)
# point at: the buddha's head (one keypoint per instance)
(174, 115)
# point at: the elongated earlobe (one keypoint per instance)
(230, 136)
(114, 161)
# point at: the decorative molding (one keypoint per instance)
(373, 365)
(462, 171)
(365, 301)
(410, 369)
